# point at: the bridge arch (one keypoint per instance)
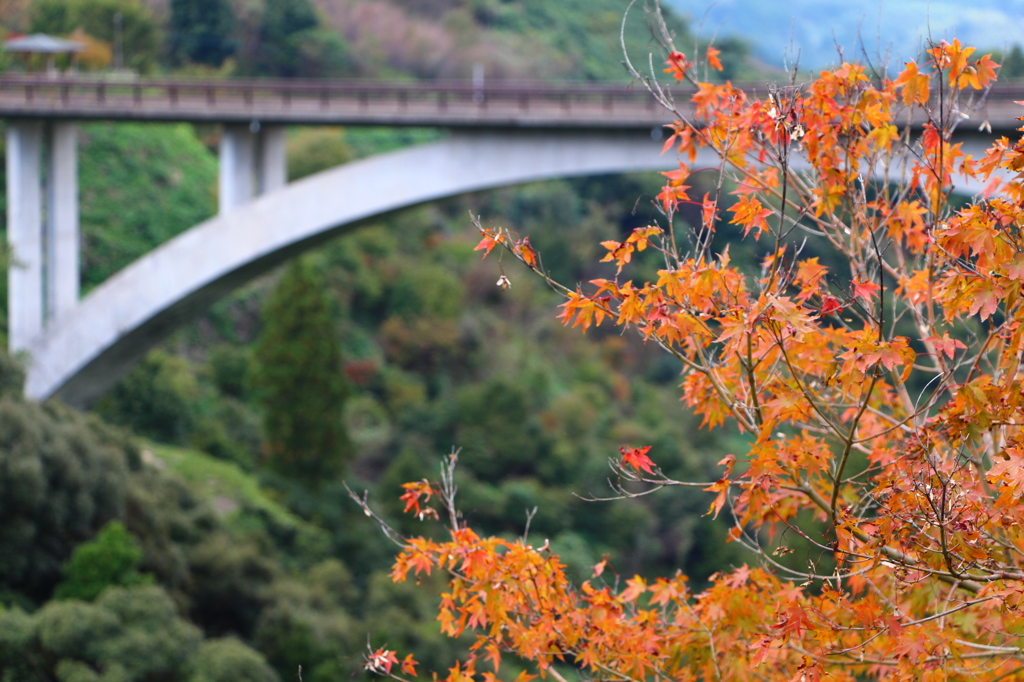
(89, 348)
(86, 350)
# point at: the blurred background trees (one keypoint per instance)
(128, 26)
(201, 32)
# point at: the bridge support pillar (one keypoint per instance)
(253, 161)
(272, 160)
(237, 156)
(42, 226)
(62, 229)
(24, 232)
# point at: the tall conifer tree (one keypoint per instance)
(299, 376)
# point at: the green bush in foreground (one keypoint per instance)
(111, 559)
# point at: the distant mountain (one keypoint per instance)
(895, 27)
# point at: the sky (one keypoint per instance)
(814, 26)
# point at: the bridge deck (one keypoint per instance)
(440, 104)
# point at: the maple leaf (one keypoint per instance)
(830, 304)
(739, 577)
(381, 661)
(883, 136)
(709, 210)
(678, 65)
(750, 214)
(585, 310)
(721, 487)
(713, 60)
(637, 458)
(414, 493)
(985, 72)
(809, 273)
(865, 291)
(487, 244)
(526, 252)
(1008, 469)
(494, 656)
(761, 650)
(985, 300)
(946, 345)
(793, 619)
(635, 586)
(914, 84)
(641, 236)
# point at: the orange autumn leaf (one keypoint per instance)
(750, 214)
(914, 84)
(635, 586)
(712, 57)
(526, 252)
(487, 244)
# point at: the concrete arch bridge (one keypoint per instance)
(499, 136)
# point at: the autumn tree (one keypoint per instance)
(877, 382)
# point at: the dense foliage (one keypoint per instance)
(140, 184)
(573, 39)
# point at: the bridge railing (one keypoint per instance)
(351, 101)
(356, 102)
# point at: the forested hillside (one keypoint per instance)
(195, 526)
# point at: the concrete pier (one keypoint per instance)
(24, 232)
(253, 161)
(62, 232)
(42, 226)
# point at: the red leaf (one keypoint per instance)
(946, 345)
(865, 290)
(830, 304)
(637, 458)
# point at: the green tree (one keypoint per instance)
(299, 378)
(112, 558)
(313, 150)
(290, 42)
(1013, 64)
(229, 660)
(201, 31)
(63, 477)
(157, 399)
(129, 634)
